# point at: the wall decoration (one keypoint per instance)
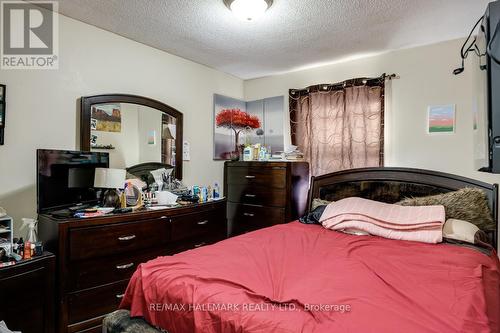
(238, 122)
(152, 138)
(441, 119)
(107, 117)
(3, 93)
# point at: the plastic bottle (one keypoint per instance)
(216, 192)
(32, 236)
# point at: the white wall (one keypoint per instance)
(42, 104)
(425, 79)
(150, 120)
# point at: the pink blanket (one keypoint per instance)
(419, 223)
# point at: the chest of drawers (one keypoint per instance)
(262, 194)
(97, 256)
(27, 295)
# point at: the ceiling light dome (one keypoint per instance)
(248, 10)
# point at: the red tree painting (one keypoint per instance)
(236, 120)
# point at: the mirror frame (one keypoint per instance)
(86, 110)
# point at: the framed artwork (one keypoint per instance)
(237, 122)
(152, 138)
(3, 93)
(106, 118)
(441, 119)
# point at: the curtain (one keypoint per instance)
(339, 126)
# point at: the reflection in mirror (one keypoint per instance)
(133, 134)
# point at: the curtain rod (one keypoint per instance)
(347, 83)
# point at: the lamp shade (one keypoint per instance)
(109, 178)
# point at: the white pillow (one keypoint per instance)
(356, 232)
(460, 230)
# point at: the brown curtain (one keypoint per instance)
(339, 126)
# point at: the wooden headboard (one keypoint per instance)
(393, 184)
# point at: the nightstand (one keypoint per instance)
(27, 295)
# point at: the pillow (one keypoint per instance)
(356, 232)
(468, 204)
(313, 216)
(461, 230)
(319, 202)
(465, 234)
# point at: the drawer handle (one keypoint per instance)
(126, 238)
(249, 214)
(163, 217)
(203, 222)
(125, 266)
(250, 177)
(200, 245)
(120, 296)
(250, 195)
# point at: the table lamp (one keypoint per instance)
(112, 180)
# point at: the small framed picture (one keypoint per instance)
(152, 138)
(441, 119)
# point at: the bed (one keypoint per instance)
(304, 278)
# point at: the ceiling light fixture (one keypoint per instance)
(248, 10)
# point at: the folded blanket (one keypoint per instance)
(417, 223)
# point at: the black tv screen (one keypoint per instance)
(66, 178)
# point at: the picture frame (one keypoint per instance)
(3, 96)
(441, 119)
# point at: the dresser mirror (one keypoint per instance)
(136, 131)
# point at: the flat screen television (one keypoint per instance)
(487, 111)
(66, 178)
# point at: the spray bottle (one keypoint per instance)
(31, 237)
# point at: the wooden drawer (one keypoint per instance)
(264, 176)
(196, 224)
(95, 272)
(111, 239)
(197, 242)
(257, 195)
(27, 295)
(243, 218)
(95, 302)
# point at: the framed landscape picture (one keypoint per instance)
(441, 119)
(106, 118)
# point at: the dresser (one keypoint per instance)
(262, 194)
(27, 295)
(97, 256)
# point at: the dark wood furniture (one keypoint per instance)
(86, 114)
(3, 103)
(97, 256)
(262, 194)
(27, 295)
(393, 184)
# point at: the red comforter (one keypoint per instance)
(304, 278)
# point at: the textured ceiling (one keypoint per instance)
(293, 34)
